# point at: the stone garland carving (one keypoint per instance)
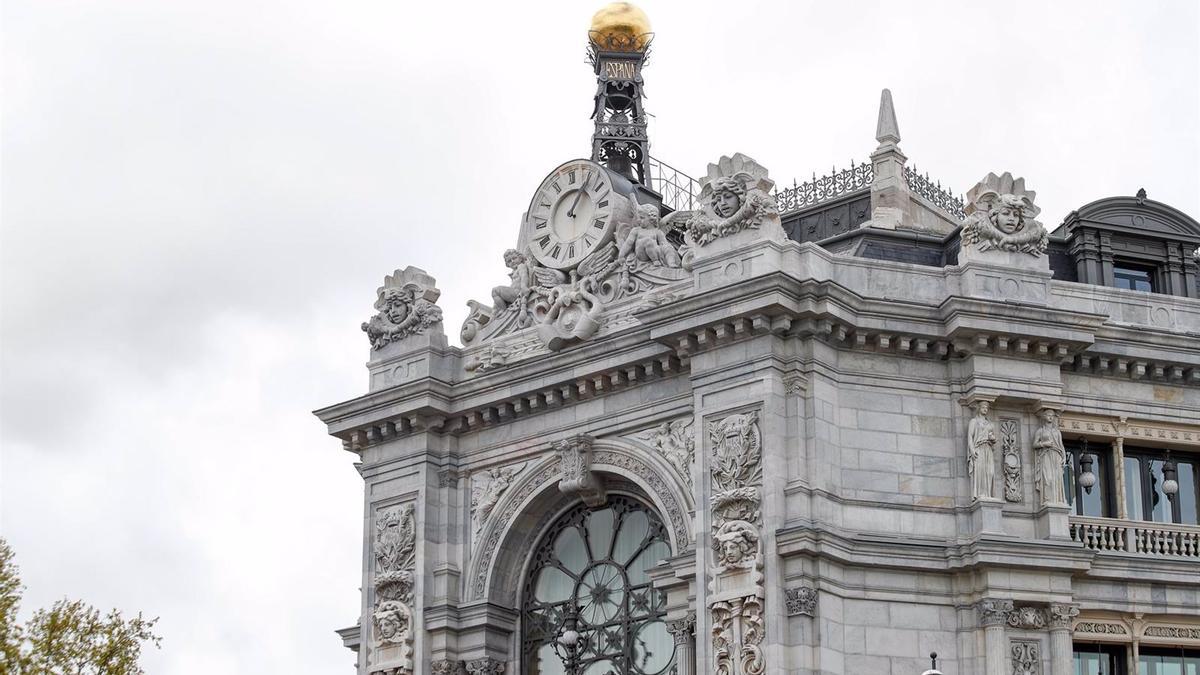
(396, 560)
(1029, 618)
(676, 443)
(1026, 657)
(981, 452)
(485, 666)
(1173, 632)
(486, 489)
(575, 465)
(1010, 450)
(994, 612)
(406, 307)
(1000, 215)
(800, 601)
(1102, 628)
(736, 590)
(735, 196)
(1051, 456)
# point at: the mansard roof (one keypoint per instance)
(1137, 216)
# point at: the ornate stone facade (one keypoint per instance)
(848, 446)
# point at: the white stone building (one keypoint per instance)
(718, 426)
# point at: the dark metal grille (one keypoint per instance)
(823, 188)
(934, 193)
(592, 564)
(678, 189)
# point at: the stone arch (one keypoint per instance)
(533, 501)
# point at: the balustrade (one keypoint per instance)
(1164, 540)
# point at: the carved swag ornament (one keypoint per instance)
(406, 307)
(1000, 215)
(736, 605)
(395, 566)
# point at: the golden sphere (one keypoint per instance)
(620, 26)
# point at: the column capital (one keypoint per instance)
(1062, 614)
(993, 611)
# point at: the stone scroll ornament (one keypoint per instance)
(395, 566)
(1000, 215)
(1010, 449)
(406, 307)
(736, 590)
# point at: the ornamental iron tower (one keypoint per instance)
(618, 45)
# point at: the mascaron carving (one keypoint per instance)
(1000, 215)
(1032, 618)
(734, 197)
(406, 307)
(395, 565)
(736, 589)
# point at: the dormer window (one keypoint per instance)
(1134, 277)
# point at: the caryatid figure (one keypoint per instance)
(981, 452)
(1051, 457)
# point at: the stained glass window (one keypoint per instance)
(592, 565)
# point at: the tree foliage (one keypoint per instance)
(69, 638)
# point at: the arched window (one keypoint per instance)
(590, 570)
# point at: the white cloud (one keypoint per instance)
(199, 199)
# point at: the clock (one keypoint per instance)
(574, 212)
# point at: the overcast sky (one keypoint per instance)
(200, 198)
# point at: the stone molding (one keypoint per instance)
(1132, 430)
(1154, 630)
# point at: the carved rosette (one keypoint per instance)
(395, 550)
(1010, 448)
(676, 443)
(736, 606)
(575, 465)
(993, 612)
(1026, 657)
(1000, 215)
(405, 305)
(801, 601)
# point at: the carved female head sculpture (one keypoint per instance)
(1008, 213)
(394, 302)
(726, 196)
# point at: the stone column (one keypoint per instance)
(1061, 617)
(684, 632)
(993, 615)
(1118, 468)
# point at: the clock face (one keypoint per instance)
(571, 214)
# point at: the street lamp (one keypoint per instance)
(1170, 484)
(933, 665)
(567, 643)
(1087, 477)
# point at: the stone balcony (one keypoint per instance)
(1138, 537)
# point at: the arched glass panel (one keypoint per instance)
(591, 568)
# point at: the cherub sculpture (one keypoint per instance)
(522, 280)
(1000, 215)
(644, 240)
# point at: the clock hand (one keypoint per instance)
(571, 211)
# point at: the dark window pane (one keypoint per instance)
(1134, 278)
(1187, 493)
(1160, 506)
(1093, 504)
(1133, 488)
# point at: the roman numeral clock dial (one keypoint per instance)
(572, 213)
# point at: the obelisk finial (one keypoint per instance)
(887, 132)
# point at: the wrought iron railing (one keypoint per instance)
(934, 192)
(1158, 540)
(678, 189)
(824, 188)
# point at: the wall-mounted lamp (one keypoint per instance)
(1087, 478)
(1170, 484)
